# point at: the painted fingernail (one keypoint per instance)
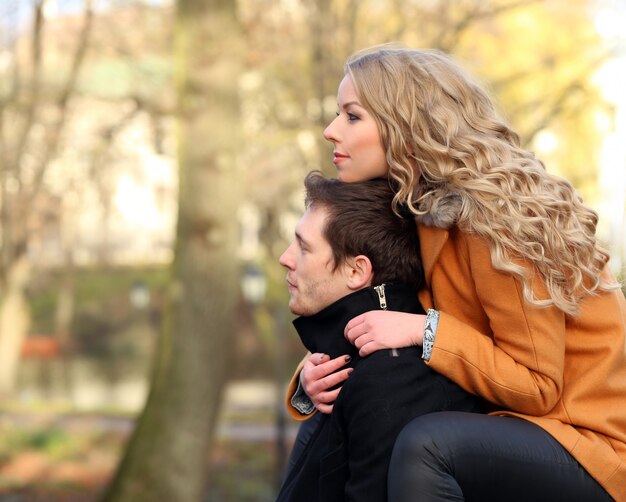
(348, 359)
(350, 371)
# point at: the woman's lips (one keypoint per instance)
(338, 157)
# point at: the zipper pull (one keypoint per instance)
(381, 296)
(382, 299)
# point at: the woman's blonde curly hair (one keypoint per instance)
(442, 134)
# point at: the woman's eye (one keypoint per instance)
(351, 116)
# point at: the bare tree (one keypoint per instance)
(166, 458)
(32, 120)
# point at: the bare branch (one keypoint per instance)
(554, 110)
(54, 132)
(108, 135)
(5, 100)
(576, 85)
(79, 56)
(450, 36)
(35, 88)
(12, 244)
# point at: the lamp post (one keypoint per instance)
(139, 295)
(279, 374)
(253, 288)
(253, 285)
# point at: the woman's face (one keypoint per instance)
(358, 153)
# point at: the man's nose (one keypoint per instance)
(284, 259)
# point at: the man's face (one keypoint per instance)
(309, 262)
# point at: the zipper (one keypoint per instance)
(382, 299)
(381, 296)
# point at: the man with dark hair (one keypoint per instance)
(352, 254)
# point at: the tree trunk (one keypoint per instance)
(28, 101)
(14, 323)
(167, 455)
(63, 318)
(324, 70)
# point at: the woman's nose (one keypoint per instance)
(329, 132)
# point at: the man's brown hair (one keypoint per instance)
(360, 221)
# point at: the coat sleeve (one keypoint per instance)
(291, 390)
(489, 340)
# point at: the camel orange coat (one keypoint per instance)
(566, 374)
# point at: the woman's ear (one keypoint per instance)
(359, 272)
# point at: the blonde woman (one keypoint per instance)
(522, 308)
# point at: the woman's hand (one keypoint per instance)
(319, 374)
(385, 329)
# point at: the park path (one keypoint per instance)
(241, 398)
(244, 403)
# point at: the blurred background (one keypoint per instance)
(152, 154)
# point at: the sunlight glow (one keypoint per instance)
(546, 141)
(611, 79)
(610, 22)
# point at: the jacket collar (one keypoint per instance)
(440, 209)
(324, 331)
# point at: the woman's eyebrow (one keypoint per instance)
(349, 103)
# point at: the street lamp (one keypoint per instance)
(253, 288)
(253, 285)
(139, 295)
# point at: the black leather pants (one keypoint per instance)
(456, 456)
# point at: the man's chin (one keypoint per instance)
(295, 310)
(298, 310)
(300, 313)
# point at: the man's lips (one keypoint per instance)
(290, 285)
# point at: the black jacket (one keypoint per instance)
(348, 455)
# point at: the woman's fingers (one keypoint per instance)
(320, 377)
(327, 399)
(355, 328)
(384, 329)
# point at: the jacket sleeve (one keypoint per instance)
(291, 390)
(489, 340)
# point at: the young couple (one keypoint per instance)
(517, 308)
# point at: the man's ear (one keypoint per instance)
(359, 272)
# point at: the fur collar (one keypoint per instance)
(441, 208)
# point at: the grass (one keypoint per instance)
(242, 472)
(54, 443)
(56, 458)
